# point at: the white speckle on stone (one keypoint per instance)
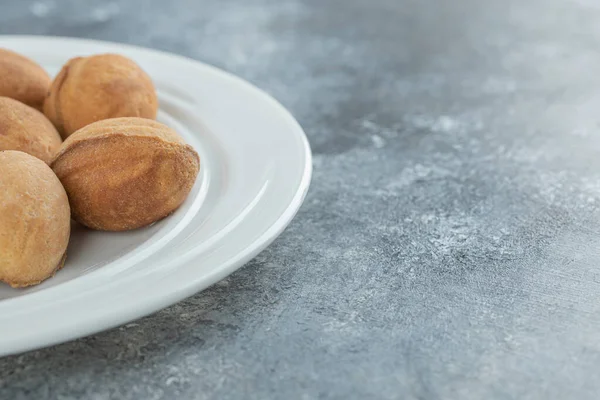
(369, 125)
(373, 128)
(106, 12)
(132, 325)
(414, 173)
(41, 8)
(426, 218)
(171, 380)
(441, 124)
(591, 186)
(445, 124)
(378, 141)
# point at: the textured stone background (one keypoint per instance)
(449, 247)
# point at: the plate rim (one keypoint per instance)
(187, 289)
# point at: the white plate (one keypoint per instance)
(255, 171)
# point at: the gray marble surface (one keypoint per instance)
(449, 247)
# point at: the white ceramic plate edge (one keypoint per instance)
(149, 305)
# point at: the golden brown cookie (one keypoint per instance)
(125, 173)
(35, 220)
(90, 89)
(22, 79)
(26, 129)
